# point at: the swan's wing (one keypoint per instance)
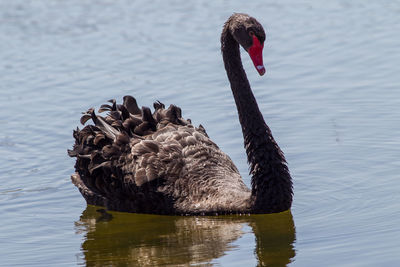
(126, 158)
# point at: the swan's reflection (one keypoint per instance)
(124, 239)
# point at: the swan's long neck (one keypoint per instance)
(271, 181)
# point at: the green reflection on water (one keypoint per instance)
(125, 239)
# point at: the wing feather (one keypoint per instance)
(130, 156)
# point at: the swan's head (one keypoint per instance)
(249, 33)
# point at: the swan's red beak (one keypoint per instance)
(255, 52)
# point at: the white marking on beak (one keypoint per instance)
(260, 67)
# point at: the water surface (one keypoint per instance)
(331, 96)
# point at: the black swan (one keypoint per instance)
(134, 160)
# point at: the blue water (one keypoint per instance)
(331, 96)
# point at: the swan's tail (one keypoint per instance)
(90, 197)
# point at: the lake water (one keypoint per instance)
(331, 96)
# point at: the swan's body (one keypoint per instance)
(137, 161)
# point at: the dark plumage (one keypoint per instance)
(136, 160)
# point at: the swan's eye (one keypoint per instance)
(251, 33)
